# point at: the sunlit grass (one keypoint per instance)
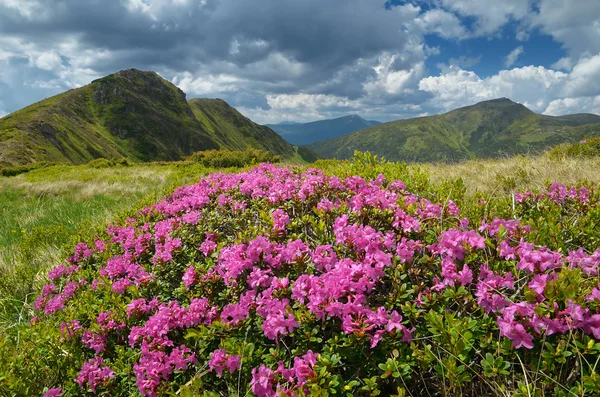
(46, 211)
(516, 173)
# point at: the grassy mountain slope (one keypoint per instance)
(132, 114)
(230, 129)
(306, 133)
(487, 129)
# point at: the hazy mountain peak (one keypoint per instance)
(306, 133)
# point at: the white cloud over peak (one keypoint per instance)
(541, 89)
(564, 106)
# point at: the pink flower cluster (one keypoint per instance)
(557, 193)
(94, 374)
(219, 360)
(271, 383)
(368, 230)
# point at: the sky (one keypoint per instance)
(305, 60)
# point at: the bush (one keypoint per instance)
(101, 163)
(307, 154)
(588, 147)
(21, 169)
(271, 281)
(233, 158)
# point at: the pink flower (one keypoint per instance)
(189, 277)
(280, 220)
(465, 276)
(54, 392)
(94, 341)
(93, 374)
(263, 381)
(219, 360)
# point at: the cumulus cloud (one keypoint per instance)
(46, 60)
(564, 106)
(311, 101)
(445, 24)
(539, 88)
(575, 24)
(489, 16)
(585, 77)
(512, 57)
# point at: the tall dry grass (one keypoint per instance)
(499, 176)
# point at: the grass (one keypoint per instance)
(46, 211)
(500, 176)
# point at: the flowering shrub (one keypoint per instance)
(275, 282)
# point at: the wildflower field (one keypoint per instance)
(358, 278)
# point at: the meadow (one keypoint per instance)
(453, 333)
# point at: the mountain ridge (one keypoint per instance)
(129, 114)
(486, 129)
(306, 133)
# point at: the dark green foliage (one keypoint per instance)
(307, 154)
(488, 129)
(232, 158)
(21, 169)
(589, 147)
(101, 163)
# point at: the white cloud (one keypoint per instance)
(585, 77)
(564, 106)
(155, 8)
(456, 87)
(490, 15)
(512, 57)
(445, 24)
(534, 86)
(207, 84)
(29, 9)
(310, 101)
(393, 82)
(564, 63)
(273, 116)
(50, 60)
(575, 24)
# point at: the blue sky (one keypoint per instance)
(279, 60)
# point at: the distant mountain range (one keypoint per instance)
(306, 133)
(487, 129)
(140, 116)
(129, 114)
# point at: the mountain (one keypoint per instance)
(487, 129)
(306, 133)
(132, 114)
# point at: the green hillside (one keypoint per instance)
(132, 114)
(230, 129)
(486, 129)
